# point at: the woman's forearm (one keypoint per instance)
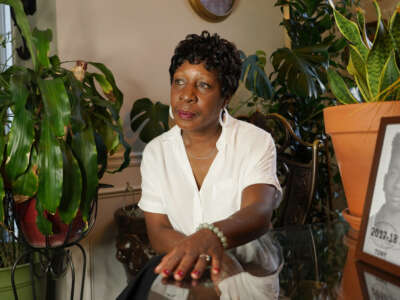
(245, 225)
(253, 219)
(165, 239)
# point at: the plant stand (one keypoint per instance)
(48, 262)
(52, 264)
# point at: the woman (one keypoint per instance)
(208, 184)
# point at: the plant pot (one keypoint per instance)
(23, 283)
(353, 129)
(63, 234)
(350, 285)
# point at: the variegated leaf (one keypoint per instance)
(395, 27)
(350, 31)
(56, 104)
(21, 133)
(84, 148)
(42, 40)
(390, 74)
(72, 185)
(27, 184)
(50, 168)
(377, 58)
(339, 88)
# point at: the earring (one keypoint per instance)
(224, 111)
(170, 112)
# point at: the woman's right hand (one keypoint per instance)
(189, 256)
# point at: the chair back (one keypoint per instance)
(297, 163)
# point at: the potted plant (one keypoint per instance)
(154, 116)
(369, 92)
(58, 128)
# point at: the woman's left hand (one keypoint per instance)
(190, 255)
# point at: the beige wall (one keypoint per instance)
(136, 38)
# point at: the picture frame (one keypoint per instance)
(376, 284)
(213, 10)
(379, 239)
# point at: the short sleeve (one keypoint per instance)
(151, 200)
(261, 165)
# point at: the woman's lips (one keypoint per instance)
(185, 115)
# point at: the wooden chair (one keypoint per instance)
(297, 164)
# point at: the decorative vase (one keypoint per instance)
(354, 129)
(63, 234)
(133, 246)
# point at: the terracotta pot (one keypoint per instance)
(353, 129)
(27, 214)
(350, 284)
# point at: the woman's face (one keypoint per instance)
(196, 99)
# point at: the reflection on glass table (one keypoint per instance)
(311, 261)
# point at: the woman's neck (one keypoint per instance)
(205, 137)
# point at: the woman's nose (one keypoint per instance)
(188, 94)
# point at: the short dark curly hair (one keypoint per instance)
(217, 53)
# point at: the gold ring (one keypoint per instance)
(206, 257)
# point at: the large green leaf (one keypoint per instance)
(297, 68)
(56, 104)
(2, 194)
(115, 93)
(119, 131)
(155, 115)
(350, 31)
(21, 133)
(108, 136)
(377, 58)
(390, 74)
(395, 27)
(84, 149)
(75, 97)
(44, 225)
(357, 68)
(42, 41)
(72, 185)
(50, 168)
(339, 88)
(254, 76)
(23, 24)
(2, 191)
(27, 184)
(363, 27)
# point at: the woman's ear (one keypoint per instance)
(226, 101)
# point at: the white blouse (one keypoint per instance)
(246, 156)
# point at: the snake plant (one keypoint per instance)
(374, 65)
(58, 128)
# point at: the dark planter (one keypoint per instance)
(63, 234)
(133, 246)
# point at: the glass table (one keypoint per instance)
(315, 262)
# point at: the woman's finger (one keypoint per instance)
(215, 264)
(202, 262)
(185, 265)
(168, 264)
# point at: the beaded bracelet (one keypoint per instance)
(216, 231)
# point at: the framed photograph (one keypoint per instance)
(376, 284)
(379, 242)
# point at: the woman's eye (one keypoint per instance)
(204, 85)
(178, 81)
